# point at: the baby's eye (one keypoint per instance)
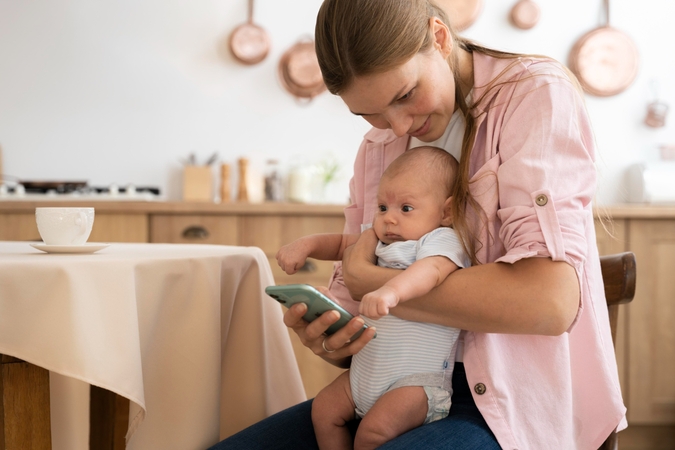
(406, 208)
(382, 208)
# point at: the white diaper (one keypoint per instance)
(438, 401)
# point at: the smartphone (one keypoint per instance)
(317, 304)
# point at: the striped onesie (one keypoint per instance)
(409, 353)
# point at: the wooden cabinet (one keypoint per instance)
(651, 323)
(645, 344)
(108, 227)
(194, 229)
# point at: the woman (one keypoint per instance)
(537, 368)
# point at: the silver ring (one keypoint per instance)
(323, 344)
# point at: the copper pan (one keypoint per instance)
(249, 43)
(524, 14)
(299, 71)
(462, 13)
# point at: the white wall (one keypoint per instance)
(120, 91)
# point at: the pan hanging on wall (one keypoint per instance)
(299, 71)
(525, 14)
(249, 43)
(605, 60)
(461, 13)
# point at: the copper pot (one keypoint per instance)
(299, 71)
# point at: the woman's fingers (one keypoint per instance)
(348, 348)
(313, 334)
(293, 316)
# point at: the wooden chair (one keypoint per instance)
(618, 275)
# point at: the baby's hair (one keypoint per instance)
(433, 165)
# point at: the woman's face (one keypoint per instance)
(416, 98)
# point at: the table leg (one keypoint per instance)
(24, 409)
(108, 419)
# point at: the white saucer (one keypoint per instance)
(89, 247)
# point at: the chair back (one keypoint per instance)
(619, 277)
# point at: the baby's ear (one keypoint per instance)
(446, 219)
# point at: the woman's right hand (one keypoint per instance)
(312, 335)
(357, 262)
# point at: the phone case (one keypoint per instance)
(317, 304)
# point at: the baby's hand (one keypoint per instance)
(292, 257)
(376, 304)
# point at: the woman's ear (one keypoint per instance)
(446, 218)
(442, 40)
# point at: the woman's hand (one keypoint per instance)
(337, 349)
(356, 262)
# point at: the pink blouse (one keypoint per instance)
(532, 171)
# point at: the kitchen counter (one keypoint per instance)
(162, 207)
(619, 211)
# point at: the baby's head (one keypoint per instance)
(414, 195)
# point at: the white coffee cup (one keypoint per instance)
(64, 226)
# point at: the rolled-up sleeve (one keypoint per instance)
(547, 175)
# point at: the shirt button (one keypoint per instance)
(479, 388)
(541, 200)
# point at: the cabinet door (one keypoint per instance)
(194, 229)
(107, 227)
(611, 238)
(651, 323)
(19, 227)
(119, 228)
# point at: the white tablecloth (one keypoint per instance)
(185, 332)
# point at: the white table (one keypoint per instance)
(185, 332)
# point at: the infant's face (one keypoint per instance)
(408, 208)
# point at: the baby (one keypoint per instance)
(401, 379)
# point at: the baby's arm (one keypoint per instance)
(326, 247)
(419, 278)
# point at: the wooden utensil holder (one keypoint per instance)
(197, 184)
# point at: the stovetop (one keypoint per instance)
(72, 191)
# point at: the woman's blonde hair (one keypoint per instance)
(362, 37)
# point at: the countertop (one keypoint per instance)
(619, 211)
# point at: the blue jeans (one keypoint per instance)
(291, 429)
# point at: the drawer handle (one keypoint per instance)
(195, 232)
(309, 266)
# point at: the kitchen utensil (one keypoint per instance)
(225, 191)
(525, 14)
(197, 183)
(242, 193)
(249, 43)
(657, 110)
(299, 70)
(605, 60)
(656, 114)
(211, 159)
(462, 13)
